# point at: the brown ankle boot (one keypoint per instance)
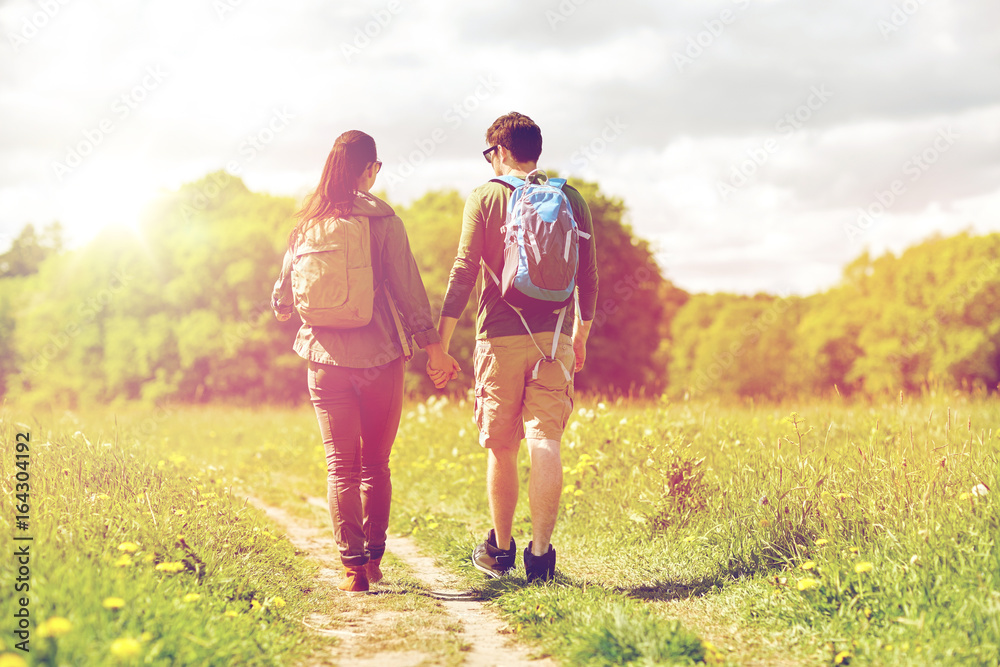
(355, 580)
(373, 570)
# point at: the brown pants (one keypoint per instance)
(358, 411)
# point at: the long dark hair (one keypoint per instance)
(334, 196)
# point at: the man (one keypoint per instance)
(512, 404)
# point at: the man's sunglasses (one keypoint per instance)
(486, 153)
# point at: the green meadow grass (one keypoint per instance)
(837, 533)
(847, 531)
(137, 559)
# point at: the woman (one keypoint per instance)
(356, 375)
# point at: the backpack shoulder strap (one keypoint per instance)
(404, 340)
(512, 182)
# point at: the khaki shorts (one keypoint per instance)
(510, 405)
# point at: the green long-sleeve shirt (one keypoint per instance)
(482, 240)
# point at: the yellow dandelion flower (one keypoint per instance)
(764, 523)
(128, 547)
(964, 496)
(113, 603)
(842, 496)
(277, 602)
(821, 541)
(853, 550)
(843, 657)
(146, 636)
(125, 647)
(148, 558)
(55, 626)
(808, 565)
(230, 613)
(170, 567)
(254, 605)
(807, 584)
(863, 566)
(12, 660)
(123, 561)
(192, 597)
(104, 496)
(180, 512)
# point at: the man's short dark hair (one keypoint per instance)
(518, 134)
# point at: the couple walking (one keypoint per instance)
(524, 357)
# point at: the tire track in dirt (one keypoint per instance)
(486, 636)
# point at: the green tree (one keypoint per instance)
(30, 249)
(625, 336)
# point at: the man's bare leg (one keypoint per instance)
(502, 489)
(544, 491)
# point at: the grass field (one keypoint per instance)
(822, 533)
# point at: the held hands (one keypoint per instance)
(441, 366)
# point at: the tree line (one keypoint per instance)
(178, 311)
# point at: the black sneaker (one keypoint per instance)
(491, 559)
(540, 567)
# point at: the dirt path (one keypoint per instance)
(358, 626)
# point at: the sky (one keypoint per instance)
(759, 145)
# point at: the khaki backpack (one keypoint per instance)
(332, 278)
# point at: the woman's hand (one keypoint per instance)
(441, 366)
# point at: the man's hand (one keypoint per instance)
(581, 332)
(283, 317)
(580, 352)
(441, 366)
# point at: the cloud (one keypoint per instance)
(660, 103)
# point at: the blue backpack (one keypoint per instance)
(541, 250)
